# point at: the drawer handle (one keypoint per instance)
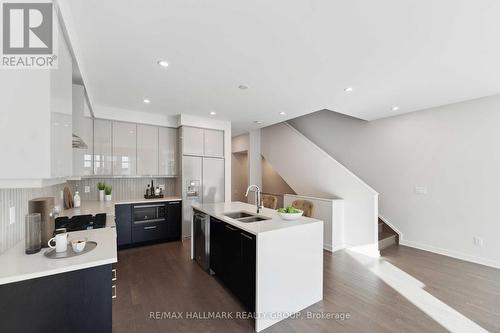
(230, 228)
(150, 227)
(113, 287)
(245, 235)
(113, 272)
(173, 203)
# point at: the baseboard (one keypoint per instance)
(329, 248)
(452, 254)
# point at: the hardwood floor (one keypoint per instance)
(162, 278)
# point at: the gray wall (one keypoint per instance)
(273, 183)
(239, 175)
(452, 151)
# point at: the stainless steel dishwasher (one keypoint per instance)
(201, 225)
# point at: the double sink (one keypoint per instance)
(246, 217)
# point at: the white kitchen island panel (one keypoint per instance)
(289, 272)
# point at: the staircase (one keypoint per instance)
(386, 236)
(310, 171)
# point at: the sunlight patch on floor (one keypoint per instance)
(413, 290)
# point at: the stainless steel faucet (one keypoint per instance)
(258, 201)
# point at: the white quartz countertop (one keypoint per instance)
(275, 222)
(108, 207)
(18, 266)
(15, 265)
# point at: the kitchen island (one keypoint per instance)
(274, 267)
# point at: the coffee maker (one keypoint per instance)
(46, 208)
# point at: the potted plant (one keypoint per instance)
(107, 191)
(100, 188)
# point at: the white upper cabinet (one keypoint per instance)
(147, 150)
(61, 114)
(82, 127)
(213, 143)
(102, 147)
(192, 140)
(202, 142)
(35, 123)
(168, 151)
(124, 149)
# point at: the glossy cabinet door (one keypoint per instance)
(213, 180)
(192, 141)
(123, 221)
(246, 279)
(124, 149)
(174, 219)
(61, 148)
(168, 151)
(102, 147)
(213, 143)
(61, 114)
(147, 150)
(82, 158)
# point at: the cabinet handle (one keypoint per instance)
(173, 203)
(113, 272)
(113, 287)
(245, 235)
(151, 227)
(230, 228)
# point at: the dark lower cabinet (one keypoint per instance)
(123, 221)
(233, 260)
(77, 301)
(174, 219)
(216, 246)
(247, 270)
(132, 233)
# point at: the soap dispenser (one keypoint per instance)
(76, 200)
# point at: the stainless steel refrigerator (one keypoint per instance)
(202, 182)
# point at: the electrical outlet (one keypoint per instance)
(61, 195)
(87, 189)
(12, 215)
(162, 187)
(478, 241)
(421, 190)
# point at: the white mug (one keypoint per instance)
(61, 242)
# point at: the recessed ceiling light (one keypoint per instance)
(147, 101)
(348, 89)
(213, 113)
(258, 122)
(282, 113)
(163, 63)
(395, 108)
(243, 87)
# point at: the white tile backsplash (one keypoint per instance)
(123, 188)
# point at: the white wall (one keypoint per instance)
(239, 176)
(453, 151)
(133, 116)
(254, 161)
(312, 172)
(240, 143)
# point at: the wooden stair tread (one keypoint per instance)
(385, 235)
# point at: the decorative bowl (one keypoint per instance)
(291, 217)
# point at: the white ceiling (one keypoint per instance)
(295, 56)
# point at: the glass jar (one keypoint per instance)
(33, 233)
